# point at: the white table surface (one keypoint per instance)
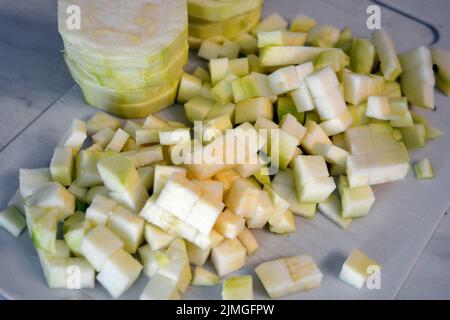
(33, 76)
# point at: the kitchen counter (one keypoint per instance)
(33, 76)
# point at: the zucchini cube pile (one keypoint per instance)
(288, 119)
(126, 57)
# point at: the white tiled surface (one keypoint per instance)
(33, 76)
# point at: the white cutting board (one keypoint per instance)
(400, 224)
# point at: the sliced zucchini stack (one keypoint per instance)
(222, 19)
(127, 57)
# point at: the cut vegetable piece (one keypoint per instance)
(156, 237)
(248, 240)
(174, 137)
(285, 225)
(302, 23)
(345, 40)
(251, 86)
(218, 110)
(228, 256)
(332, 209)
(282, 148)
(57, 268)
(362, 56)
(314, 135)
(338, 125)
(335, 59)
(202, 74)
(417, 79)
(222, 92)
(86, 168)
(120, 176)
(146, 174)
(230, 49)
(323, 36)
(178, 196)
(431, 132)
(279, 206)
(152, 260)
(204, 214)
(75, 136)
(118, 141)
(441, 59)
(53, 195)
(72, 220)
(229, 225)
(160, 288)
(271, 23)
(247, 43)
(119, 273)
(289, 275)
(290, 124)
(74, 236)
(423, 169)
(197, 255)
(356, 202)
(321, 82)
(163, 173)
(302, 99)
(227, 178)
(93, 191)
(311, 179)
(414, 137)
(209, 50)
(379, 108)
(215, 127)
(102, 121)
(238, 288)
(189, 87)
(288, 55)
(357, 87)
(178, 268)
(285, 105)
(203, 277)
(98, 245)
(198, 107)
(284, 80)
(280, 38)
(218, 69)
(31, 180)
(100, 210)
(103, 137)
(387, 53)
(62, 166)
(444, 86)
(263, 212)
(357, 268)
(12, 221)
(239, 67)
(249, 110)
(242, 198)
(128, 227)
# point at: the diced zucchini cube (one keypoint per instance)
(98, 245)
(119, 272)
(238, 288)
(355, 270)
